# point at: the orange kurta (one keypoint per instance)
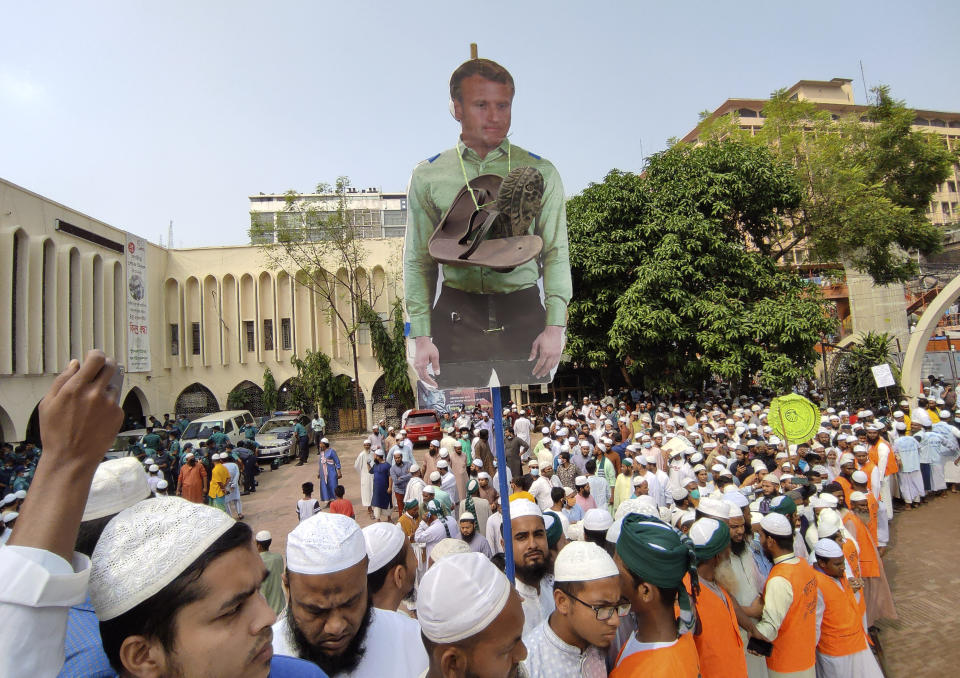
(191, 481)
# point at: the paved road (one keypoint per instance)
(923, 563)
(923, 566)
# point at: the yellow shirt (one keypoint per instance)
(219, 475)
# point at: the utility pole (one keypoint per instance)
(473, 50)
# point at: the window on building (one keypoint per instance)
(951, 187)
(945, 207)
(394, 217)
(195, 338)
(174, 339)
(937, 122)
(268, 335)
(250, 331)
(363, 334)
(286, 335)
(747, 113)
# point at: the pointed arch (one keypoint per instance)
(195, 401)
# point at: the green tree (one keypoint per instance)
(238, 399)
(390, 349)
(866, 181)
(270, 394)
(319, 242)
(668, 284)
(852, 375)
(315, 387)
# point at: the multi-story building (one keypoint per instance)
(861, 305)
(191, 325)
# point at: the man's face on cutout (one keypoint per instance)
(484, 113)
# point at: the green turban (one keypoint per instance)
(660, 555)
(413, 503)
(783, 505)
(718, 541)
(555, 531)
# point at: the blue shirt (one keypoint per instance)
(908, 449)
(291, 667)
(83, 649)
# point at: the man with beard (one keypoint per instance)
(470, 618)
(572, 641)
(719, 644)
(329, 613)
(531, 562)
(790, 609)
(514, 447)
(769, 490)
(469, 534)
(392, 565)
(435, 525)
(739, 575)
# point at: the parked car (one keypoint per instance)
(230, 422)
(126, 443)
(422, 426)
(276, 438)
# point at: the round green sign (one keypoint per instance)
(794, 418)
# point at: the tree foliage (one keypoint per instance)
(270, 395)
(667, 283)
(315, 387)
(390, 350)
(238, 399)
(852, 376)
(319, 243)
(866, 181)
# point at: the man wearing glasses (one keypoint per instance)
(572, 641)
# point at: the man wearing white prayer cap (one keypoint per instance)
(471, 619)
(788, 598)
(329, 616)
(391, 566)
(531, 555)
(41, 575)
(436, 523)
(573, 640)
(596, 522)
(446, 547)
(842, 648)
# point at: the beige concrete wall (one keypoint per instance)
(877, 308)
(77, 302)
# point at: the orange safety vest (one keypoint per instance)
(795, 646)
(841, 629)
(719, 644)
(677, 661)
(874, 507)
(853, 559)
(868, 549)
(892, 466)
(847, 488)
(868, 469)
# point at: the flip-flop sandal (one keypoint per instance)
(463, 236)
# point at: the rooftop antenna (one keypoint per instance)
(170, 235)
(473, 50)
(863, 79)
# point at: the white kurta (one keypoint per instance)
(363, 464)
(37, 589)
(537, 606)
(393, 647)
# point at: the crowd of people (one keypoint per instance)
(668, 536)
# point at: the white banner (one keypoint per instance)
(138, 308)
(883, 375)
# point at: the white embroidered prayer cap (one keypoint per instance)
(702, 531)
(828, 548)
(583, 561)
(713, 508)
(325, 543)
(117, 484)
(737, 498)
(145, 547)
(859, 477)
(858, 496)
(828, 523)
(10, 517)
(264, 535)
(644, 505)
(596, 520)
(829, 500)
(460, 596)
(383, 542)
(777, 525)
(520, 508)
(448, 547)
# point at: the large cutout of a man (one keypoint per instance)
(467, 319)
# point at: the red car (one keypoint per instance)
(422, 426)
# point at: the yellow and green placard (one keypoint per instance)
(794, 418)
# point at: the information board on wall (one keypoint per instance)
(138, 306)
